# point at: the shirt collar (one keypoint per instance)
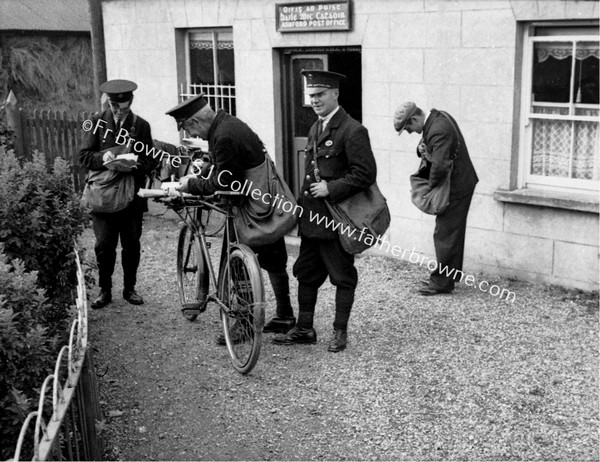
(328, 117)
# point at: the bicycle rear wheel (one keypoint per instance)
(241, 290)
(192, 274)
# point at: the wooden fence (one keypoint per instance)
(54, 133)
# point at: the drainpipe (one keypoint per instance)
(98, 54)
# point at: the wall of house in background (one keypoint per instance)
(465, 57)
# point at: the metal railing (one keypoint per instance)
(68, 432)
(218, 96)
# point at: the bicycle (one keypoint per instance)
(238, 290)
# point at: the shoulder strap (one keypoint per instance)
(445, 114)
(133, 123)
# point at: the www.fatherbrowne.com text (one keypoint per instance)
(283, 203)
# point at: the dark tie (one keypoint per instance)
(319, 127)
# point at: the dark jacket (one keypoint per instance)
(104, 135)
(345, 161)
(441, 139)
(234, 147)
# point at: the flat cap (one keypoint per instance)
(187, 108)
(404, 112)
(118, 90)
(318, 81)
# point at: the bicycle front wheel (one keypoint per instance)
(241, 290)
(192, 274)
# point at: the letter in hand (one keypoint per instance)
(184, 183)
(108, 156)
(117, 164)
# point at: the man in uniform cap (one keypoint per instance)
(113, 131)
(339, 163)
(442, 148)
(234, 148)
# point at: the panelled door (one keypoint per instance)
(302, 115)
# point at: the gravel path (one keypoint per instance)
(459, 377)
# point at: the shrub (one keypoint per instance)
(27, 350)
(40, 220)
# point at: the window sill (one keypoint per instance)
(556, 199)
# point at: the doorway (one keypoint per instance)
(298, 115)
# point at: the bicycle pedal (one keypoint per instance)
(191, 307)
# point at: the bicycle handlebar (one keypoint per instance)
(158, 193)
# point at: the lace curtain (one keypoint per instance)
(565, 148)
(562, 50)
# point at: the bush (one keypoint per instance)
(40, 219)
(27, 350)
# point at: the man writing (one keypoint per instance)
(339, 163)
(99, 147)
(235, 148)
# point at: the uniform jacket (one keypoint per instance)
(346, 162)
(441, 140)
(234, 147)
(104, 135)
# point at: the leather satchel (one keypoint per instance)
(433, 201)
(362, 217)
(108, 191)
(268, 211)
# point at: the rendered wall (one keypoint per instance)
(458, 56)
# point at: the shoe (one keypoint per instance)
(338, 341)
(280, 325)
(132, 297)
(102, 300)
(237, 333)
(431, 291)
(298, 335)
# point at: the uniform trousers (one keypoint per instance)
(317, 259)
(272, 257)
(125, 225)
(449, 243)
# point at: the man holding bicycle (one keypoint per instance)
(235, 148)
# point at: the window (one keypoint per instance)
(560, 116)
(210, 67)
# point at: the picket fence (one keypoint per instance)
(53, 133)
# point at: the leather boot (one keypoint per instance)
(103, 299)
(338, 341)
(284, 320)
(298, 335)
(132, 297)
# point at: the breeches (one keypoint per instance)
(108, 228)
(319, 258)
(272, 257)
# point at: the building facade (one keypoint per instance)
(519, 76)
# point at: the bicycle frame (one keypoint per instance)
(192, 216)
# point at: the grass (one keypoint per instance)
(459, 377)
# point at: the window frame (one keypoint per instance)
(526, 179)
(220, 96)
